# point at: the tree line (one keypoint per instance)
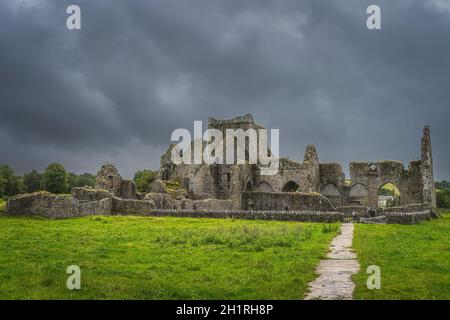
(53, 179)
(443, 194)
(56, 179)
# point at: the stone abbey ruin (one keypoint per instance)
(307, 191)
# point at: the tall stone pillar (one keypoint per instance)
(429, 193)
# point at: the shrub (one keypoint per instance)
(330, 228)
(143, 179)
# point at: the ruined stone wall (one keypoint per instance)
(131, 207)
(368, 177)
(52, 206)
(418, 207)
(416, 184)
(160, 200)
(332, 183)
(429, 192)
(305, 175)
(212, 205)
(407, 217)
(202, 181)
(90, 194)
(108, 178)
(299, 216)
(285, 201)
(360, 211)
(128, 189)
(166, 202)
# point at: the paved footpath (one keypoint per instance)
(334, 281)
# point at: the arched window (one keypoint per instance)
(359, 194)
(291, 186)
(388, 195)
(265, 187)
(333, 194)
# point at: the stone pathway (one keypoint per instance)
(334, 281)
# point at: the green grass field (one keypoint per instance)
(414, 260)
(159, 258)
(2, 206)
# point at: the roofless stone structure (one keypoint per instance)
(307, 190)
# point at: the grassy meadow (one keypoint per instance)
(159, 258)
(414, 259)
(2, 206)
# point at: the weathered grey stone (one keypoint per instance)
(297, 187)
(285, 201)
(90, 194)
(157, 186)
(108, 178)
(128, 189)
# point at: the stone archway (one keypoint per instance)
(290, 186)
(359, 195)
(265, 187)
(388, 195)
(333, 193)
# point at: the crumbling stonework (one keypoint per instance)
(241, 189)
(415, 184)
(108, 178)
(90, 194)
(285, 201)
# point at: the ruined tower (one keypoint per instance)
(429, 193)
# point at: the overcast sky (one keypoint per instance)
(116, 89)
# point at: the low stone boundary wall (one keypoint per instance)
(53, 206)
(165, 201)
(361, 211)
(90, 194)
(407, 217)
(407, 208)
(130, 207)
(302, 216)
(285, 201)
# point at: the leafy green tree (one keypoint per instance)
(54, 178)
(32, 181)
(143, 179)
(443, 198)
(2, 187)
(386, 192)
(72, 180)
(444, 184)
(84, 180)
(10, 184)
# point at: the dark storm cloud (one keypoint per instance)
(139, 69)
